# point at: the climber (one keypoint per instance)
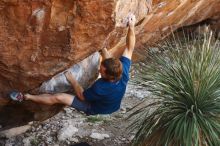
(105, 95)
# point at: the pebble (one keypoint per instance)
(154, 50)
(33, 129)
(74, 140)
(45, 127)
(31, 123)
(49, 140)
(99, 136)
(68, 111)
(68, 142)
(39, 128)
(128, 107)
(123, 110)
(123, 139)
(26, 141)
(131, 138)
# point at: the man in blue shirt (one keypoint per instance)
(105, 95)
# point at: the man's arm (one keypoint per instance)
(130, 39)
(105, 54)
(76, 86)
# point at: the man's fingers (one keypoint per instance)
(67, 74)
(131, 19)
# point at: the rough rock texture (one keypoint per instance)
(13, 113)
(39, 38)
(84, 72)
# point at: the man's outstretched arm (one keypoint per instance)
(130, 39)
(76, 86)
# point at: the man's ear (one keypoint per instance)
(104, 69)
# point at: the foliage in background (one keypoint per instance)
(185, 81)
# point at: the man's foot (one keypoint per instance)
(16, 96)
(27, 96)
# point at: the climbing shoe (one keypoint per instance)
(16, 96)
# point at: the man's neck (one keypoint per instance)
(112, 81)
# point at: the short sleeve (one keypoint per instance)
(91, 94)
(126, 63)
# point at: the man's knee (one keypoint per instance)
(59, 97)
(63, 98)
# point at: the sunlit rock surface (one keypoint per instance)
(39, 39)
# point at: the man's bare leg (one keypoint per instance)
(61, 98)
(51, 99)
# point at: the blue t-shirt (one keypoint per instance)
(104, 96)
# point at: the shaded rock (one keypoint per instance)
(49, 140)
(123, 110)
(14, 114)
(136, 91)
(14, 131)
(66, 132)
(99, 136)
(84, 72)
(68, 111)
(27, 141)
(131, 137)
(75, 140)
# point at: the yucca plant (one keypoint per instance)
(184, 79)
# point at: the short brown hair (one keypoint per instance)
(113, 68)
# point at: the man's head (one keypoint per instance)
(111, 69)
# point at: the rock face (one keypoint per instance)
(13, 114)
(84, 72)
(39, 39)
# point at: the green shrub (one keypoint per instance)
(185, 81)
(96, 119)
(34, 142)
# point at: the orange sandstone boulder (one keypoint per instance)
(39, 39)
